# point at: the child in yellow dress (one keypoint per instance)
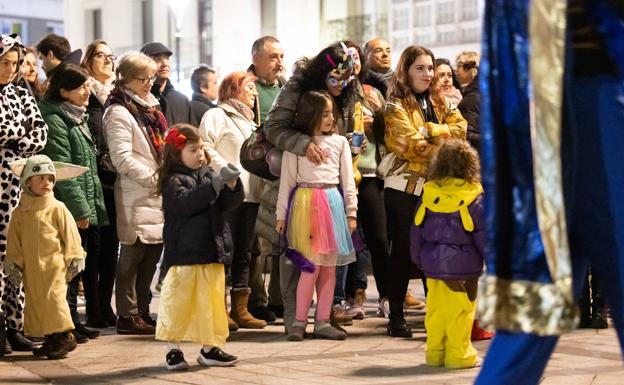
(197, 244)
(44, 245)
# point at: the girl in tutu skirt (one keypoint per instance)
(197, 244)
(313, 215)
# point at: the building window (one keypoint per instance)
(423, 39)
(446, 37)
(9, 26)
(446, 12)
(400, 19)
(147, 15)
(470, 35)
(97, 23)
(470, 9)
(422, 15)
(205, 31)
(400, 43)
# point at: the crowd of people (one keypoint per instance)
(380, 170)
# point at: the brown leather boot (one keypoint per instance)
(232, 326)
(240, 314)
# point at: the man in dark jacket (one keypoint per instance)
(379, 74)
(55, 50)
(173, 104)
(469, 108)
(267, 65)
(204, 85)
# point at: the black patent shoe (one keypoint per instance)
(18, 342)
(399, 329)
(85, 331)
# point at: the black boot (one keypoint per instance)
(85, 331)
(18, 342)
(397, 326)
(599, 307)
(4, 346)
(584, 303)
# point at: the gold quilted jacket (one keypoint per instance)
(413, 140)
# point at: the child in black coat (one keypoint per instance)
(197, 244)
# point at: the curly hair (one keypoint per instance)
(316, 70)
(455, 158)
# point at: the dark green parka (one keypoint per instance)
(71, 142)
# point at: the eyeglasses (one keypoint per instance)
(102, 56)
(147, 80)
(467, 65)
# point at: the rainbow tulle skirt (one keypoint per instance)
(317, 226)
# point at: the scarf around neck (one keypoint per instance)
(75, 113)
(241, 108)
(146, 114)
(101, 90)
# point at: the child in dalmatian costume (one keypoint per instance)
(22, 133)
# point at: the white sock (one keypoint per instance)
(172, 345)
(207, 348)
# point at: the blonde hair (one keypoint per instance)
(469, 56)
(133, 65)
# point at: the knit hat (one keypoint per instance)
(9, 41)
(42, 165)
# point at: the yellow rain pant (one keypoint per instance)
(448, 322)
(191, 305)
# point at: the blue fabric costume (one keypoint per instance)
(552, 143)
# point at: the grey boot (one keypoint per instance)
(324, 330)
(296, 331)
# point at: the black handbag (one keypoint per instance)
(260, 157)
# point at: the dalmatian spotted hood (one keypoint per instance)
(453, 195)
(9, 41)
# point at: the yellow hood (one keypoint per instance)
(452, 195)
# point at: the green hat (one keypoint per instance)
(42, 165)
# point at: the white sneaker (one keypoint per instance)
(355, 311)
(216, 357)
(383, 309)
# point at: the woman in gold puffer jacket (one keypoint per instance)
(416, 121)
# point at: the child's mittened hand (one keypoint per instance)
(352, 222)
(229, 173)
(279, 226)
(14, 274)
(75, 266)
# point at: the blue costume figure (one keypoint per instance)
(552, 125)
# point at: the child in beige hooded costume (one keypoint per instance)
(44, 246)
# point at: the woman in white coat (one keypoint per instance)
(224, 129)
(134, 128)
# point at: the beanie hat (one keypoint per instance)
(42, 165)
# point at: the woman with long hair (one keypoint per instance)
(417, 119)
(99, 62)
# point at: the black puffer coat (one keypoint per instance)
(470, 110)
(195, 230)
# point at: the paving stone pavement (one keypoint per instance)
(368, 356)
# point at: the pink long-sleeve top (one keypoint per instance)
(337, 169)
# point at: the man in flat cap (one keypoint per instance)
(173, 104)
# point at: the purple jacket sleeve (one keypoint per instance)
(416, 241)
(478, 217)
